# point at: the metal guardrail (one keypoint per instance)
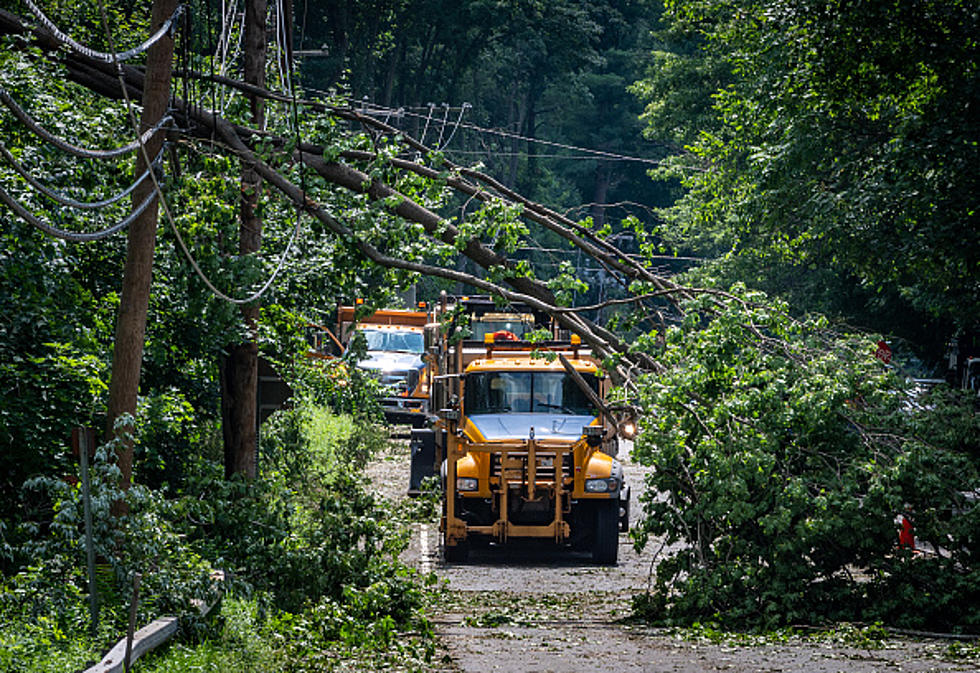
(121, 657)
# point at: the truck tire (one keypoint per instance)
(605, 543)
(456, 553)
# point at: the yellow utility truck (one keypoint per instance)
(522, 445)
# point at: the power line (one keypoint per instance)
(462, 111)
(67, 201)
(516, 136)
(74, 236)
(375, 110)
(99, 55)
(169, 215)
(582, 157)
(80, 152)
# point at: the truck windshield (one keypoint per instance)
(481, 328)
(531, 392)
(385, 340)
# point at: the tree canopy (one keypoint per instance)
(830, 154)
(813, 156)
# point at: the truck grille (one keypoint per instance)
(518, 459)
(399, 381)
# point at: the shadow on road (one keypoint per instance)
(525, 553)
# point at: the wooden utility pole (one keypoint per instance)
(239, 374)
(127, 354)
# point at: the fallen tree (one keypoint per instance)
(782, 450)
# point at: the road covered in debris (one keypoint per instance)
(533, 608)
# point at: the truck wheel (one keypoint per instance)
(456, 553)
(605, 545)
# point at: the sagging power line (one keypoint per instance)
(68, 201)
(374, 109)
(105, 57)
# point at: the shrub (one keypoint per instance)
(45, 605)
(305, 530)
(782, 454)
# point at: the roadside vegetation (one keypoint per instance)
(828, 152)
(785, 456)
(822, 153)
(312, 581)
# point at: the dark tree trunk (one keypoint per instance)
(530, 181)
(127, 353)
(239, 381)
(239, 376)
(600, 193)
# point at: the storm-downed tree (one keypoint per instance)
(749, 412)
(784, 456)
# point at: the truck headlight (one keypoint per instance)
(466, 484)
(627, 430)
(601, 485)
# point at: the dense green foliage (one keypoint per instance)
(782, 455)
(828, 153)
(831, 153)
(305, 546)
(822, 151)
(58, 299)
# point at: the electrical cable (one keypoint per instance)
(222, 48)
(283, 57)
(227, 25)
(432, 107)
(158, 191)
(238, 49)
(67, 201)
(81, 152)
(183, 61)
(213, 49)
(73, 236)
(462, 110)
(517, 136)
(570, 157)
(442, 127)
(280, 46)
(99, 55)
(238, 17)
(299, 149)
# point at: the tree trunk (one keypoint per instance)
(239, 376)
(600, 193)
(530, 181)
(127, 355)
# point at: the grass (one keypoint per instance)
(239, 644)
(244, 641)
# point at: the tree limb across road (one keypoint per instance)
(197, 123)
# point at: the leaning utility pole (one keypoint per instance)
(127, 355)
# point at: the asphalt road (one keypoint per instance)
(535, 608)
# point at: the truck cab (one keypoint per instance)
(395, 355)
